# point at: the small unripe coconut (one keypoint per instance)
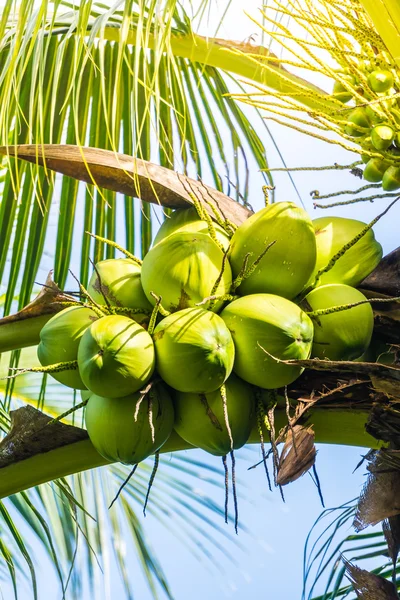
(115, 433)
(187, 219)
(332, 233)
(375, 169)
(375, 114)
(115, 357)
(341, 92)
(272, 323)
(357, 123)
(200, 420)
(59, 341)
(343, 335)
(194, 350)
(391, 179)
(287, 265)
(121, 285)
(380, 80)
(382, 136)
(183, 269)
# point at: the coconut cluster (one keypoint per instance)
(374, 117)
(214, 315)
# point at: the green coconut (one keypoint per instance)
(380, 80)
(115, 357)
(342, 92)
(375, 114)
(288, 264)
(358, 123)
(343, 335)
(199, 418)
(332, 233)
(267, 322)
(375, 169)
(115, 433)
(120, 285)
(187, 219)
(391, 179)
(183, 269)
(382, 136)
(59, 341)
(194, 350)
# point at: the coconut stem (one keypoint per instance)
(260, 423)
(347, 247)
(341, 307)
(143, 394)
(235, 500)
(251, 269)
(97, 308)
(236, 282)
(116, 246)
(150, 415)
(355, 200)
(246, 271)
(224, 298)
(224, 222)
(68, 412)
(153, 318)
(159, 306)
(226, 486)
(334, 167)
(152, 477)
(204, 216)
(218, 280)
(68, 365)
(123, 310)
(106, 300)
(225, 409)
(124, 484)
(266, 189)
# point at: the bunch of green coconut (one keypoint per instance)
(373, 120)
(197, 335)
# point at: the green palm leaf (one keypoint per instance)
(110, 78)
(325, 547)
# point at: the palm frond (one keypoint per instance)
(385, 15)
(327, 544)
(111, 78)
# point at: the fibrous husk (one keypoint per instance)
(369, 586)
(297, 456)
(380, 498)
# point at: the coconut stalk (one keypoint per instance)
(336, 401)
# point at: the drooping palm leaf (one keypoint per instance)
(133, 77)
(325, 549)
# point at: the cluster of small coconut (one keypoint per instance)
(192, 337)
(374, 120)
